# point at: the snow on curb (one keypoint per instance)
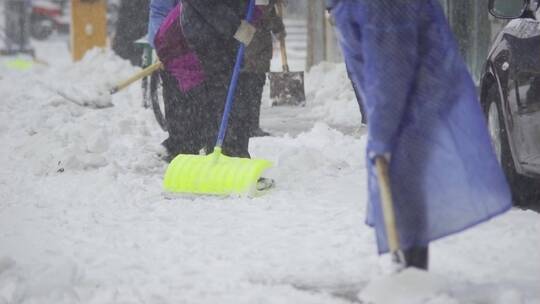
(330, 95)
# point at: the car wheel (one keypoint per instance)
(494, 128)
(522, 187)
(41, 28)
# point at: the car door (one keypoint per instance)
(524, 95)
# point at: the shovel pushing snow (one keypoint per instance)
(102, 98)
(218, 174)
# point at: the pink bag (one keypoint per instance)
(176, 55)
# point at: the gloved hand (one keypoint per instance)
(245, 33)
(373, 156)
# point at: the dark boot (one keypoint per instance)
(265, 183)
(258, 132)
(417, 257)
(252, 92)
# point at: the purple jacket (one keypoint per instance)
(175, 54)
(195, 37)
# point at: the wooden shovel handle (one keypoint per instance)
(387, 204)
(282, 45)
(146, 72)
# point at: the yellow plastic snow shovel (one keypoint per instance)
(20, 64)
(389, 216)
(23, 64)
(217, 174)
(214, 174)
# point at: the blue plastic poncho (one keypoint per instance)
(423, 110)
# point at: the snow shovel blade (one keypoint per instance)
(19, 64)
(214, 174)
(287, 88)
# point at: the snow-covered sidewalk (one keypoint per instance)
(83, 218)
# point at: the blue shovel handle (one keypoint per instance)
(234, 82)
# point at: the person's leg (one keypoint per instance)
(417, 257)
(237, 134)
(183, 119)
(13, 20)
(237, 140)
(358, 98)
(256, 86)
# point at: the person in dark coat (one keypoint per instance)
(257, 62)
(197, 41)
(214, 29)
(132, 25)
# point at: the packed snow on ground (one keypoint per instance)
(83, 218)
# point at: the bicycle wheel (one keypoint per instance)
(145, 86)
(156, 98)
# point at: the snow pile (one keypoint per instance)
(330, 95)
(61, 135)
(84, 84)
(408, 287)
(108, 235)
(42, 284)
(321, 151)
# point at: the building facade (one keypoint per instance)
(473, 27)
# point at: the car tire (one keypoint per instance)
(523, 188)
(41, 28)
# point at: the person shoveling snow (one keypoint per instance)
(424, 118)
(90, 95)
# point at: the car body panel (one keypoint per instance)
(514, 65)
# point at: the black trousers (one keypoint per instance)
(194, 118)
(251, 91)
(184, 118)
(237, 134)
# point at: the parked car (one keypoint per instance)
(510, 96)
(48, 16)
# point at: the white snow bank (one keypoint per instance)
(410, 286)
(108, 235)
(330, 95)
(59, 135)
(88, 81)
